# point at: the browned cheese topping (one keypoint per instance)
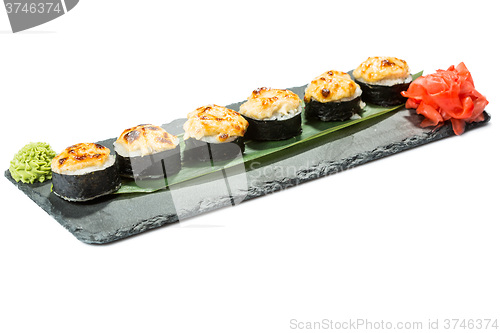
(265, 103)
(381, 68)
(330, 86)
(332, 74)
(80, 156)
(147, 139)
(214, 120)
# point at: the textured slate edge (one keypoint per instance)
(121, 233)
(329, 168)
(140, 227)
(204, 206)
(317, 171)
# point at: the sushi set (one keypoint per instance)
(150, 176)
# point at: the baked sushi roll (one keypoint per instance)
(272, 114)
(332, 96)
(382, 79)
(147, 152)
(83, 172)
(214, 133)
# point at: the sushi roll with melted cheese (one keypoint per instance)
(83, 172)
(272, 114)
(332, 96)
(147, 152)
(214, 133)
(382, 80)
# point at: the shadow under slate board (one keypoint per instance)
(115, 217)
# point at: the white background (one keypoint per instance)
(411, 237)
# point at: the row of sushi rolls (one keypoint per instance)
(86, 171)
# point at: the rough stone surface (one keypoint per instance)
(119, 216)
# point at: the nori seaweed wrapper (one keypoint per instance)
(383, 95)
(201, 151)
(332, 111)
(273, 130)
(88, 186)
(154, 166)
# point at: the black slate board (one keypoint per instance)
(119, 216)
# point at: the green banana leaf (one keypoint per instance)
(256, 150)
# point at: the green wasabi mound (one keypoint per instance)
(32, 163)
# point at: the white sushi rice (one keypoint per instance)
(122, 151)
(109, 162)
(279, 115)
(388, 82)
(356, 94)
(214, 139)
